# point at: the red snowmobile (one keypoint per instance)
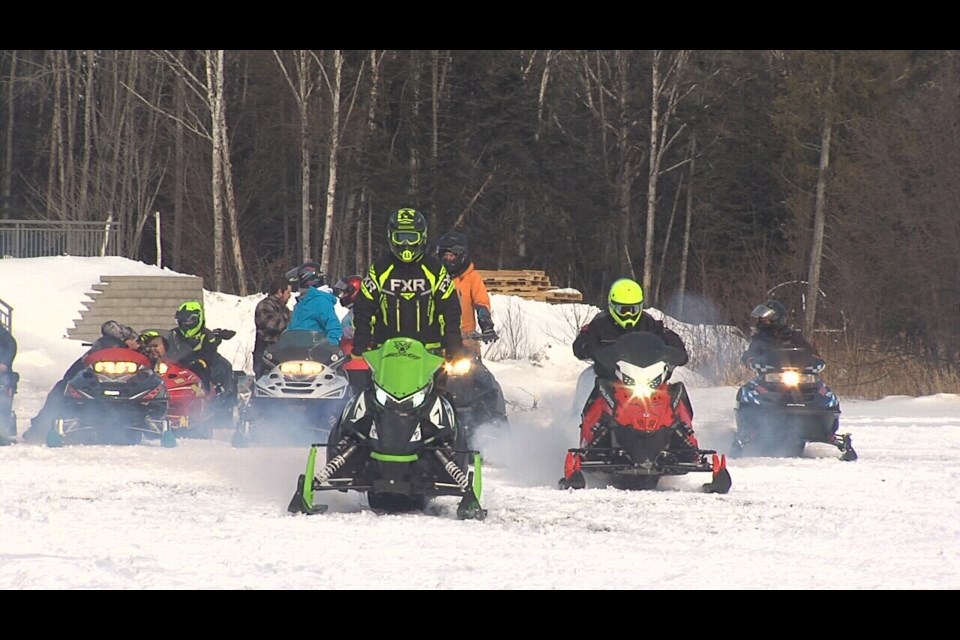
(194, 409)
(632, 433)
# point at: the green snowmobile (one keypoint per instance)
(399, 441)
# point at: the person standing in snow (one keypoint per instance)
(272, 316)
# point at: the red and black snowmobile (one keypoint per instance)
(633, 429)
(115, 398)
(191, 408)
(195, 409)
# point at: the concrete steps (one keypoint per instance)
(143, 302)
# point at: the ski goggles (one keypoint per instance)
(627, 310)
(410, 238)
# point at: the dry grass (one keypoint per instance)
(872, 373)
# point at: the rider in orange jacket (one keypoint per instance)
(452, 249)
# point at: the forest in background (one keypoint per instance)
(831, 178)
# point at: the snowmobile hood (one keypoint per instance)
(402, 366)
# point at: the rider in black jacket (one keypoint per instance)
(772, 330)
(408, 293)
(625, 314)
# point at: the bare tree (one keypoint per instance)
(215, 87)
(664, 89)
(210, 91)
(334, 86)
(302, 87)
(688, 219)
(819, 215)
(7, 182)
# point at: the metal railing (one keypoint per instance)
(36, 238)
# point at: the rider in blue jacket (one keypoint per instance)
(316, 306)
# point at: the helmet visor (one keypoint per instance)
(187, 319)
(409, 238)
(627, 310)
(763, 314)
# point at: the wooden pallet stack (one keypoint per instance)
(527, 283)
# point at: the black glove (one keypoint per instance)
(487, 334)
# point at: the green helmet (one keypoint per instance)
(407, 234)
(189, 318)
(625, 302)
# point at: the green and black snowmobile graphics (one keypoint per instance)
(398, 442)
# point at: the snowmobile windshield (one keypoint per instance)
(788, 357)
(639, 348)
(304, 345)
(402, 366)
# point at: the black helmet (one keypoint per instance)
(456, 243)
(310, 274)
(407, 234)
(769, 315)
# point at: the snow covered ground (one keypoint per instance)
(205, 515)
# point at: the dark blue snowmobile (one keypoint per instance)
(786, 405)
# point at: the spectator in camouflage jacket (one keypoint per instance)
(271, 317)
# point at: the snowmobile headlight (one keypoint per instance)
(790, 378)
(111, 368)
(300, 368)
(408, 403)
(417, 399)
(642, 391)
(162, 368)
(458, 367)
(642, 381)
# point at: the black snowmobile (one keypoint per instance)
(475, 394)
(399, 442)
(117, 398)
(786, 405)
(8, 419)
(300, 398)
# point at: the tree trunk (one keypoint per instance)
(302, 88)
(334, 87)
(685, 257)
(215, 101)
(179, 169)
(653, 170)
(625, 168)
(819, 214)
(5, 190)
(89, 137)
(231, 201)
